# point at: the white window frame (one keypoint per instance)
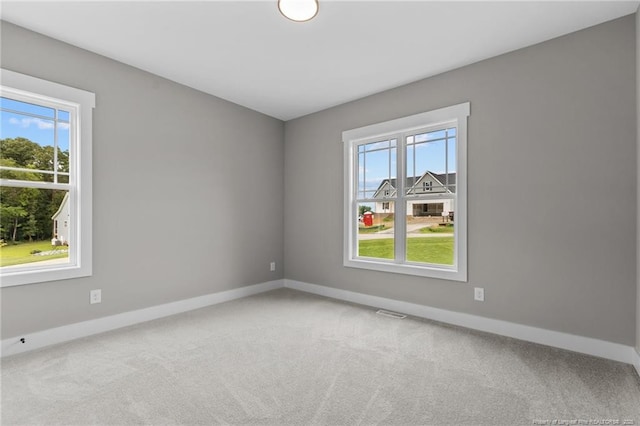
(455, 115)
(80, 104)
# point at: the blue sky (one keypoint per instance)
(40, 129)
(430, 155)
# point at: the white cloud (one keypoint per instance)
(40, 123)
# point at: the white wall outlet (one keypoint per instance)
(478, 294)
(272, 266)
(95, 296)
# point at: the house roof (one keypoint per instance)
(411, 181)
(442, 178)
(62, 203)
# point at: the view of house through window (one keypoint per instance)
(35, 214)
(429, 185)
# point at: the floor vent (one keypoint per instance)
(390, 314)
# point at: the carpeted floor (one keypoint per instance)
(286, 357)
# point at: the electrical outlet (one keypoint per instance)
(272, 266)
(478, 294)
(95, 296)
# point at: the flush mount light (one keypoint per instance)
(298, 10)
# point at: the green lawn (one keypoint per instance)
(446, 229)
(21, 253)
(438, 250)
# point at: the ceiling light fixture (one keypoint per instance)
(298, 10)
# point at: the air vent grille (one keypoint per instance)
(390, 314)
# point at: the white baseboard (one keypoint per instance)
(65, 333)
(636, 361)
(585, 345)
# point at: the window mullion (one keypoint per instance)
(400, 224)
(446, 159)
(12, 183)
(55, 147)
(355, 175)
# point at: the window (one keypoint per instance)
(417, 165)
(45, 180)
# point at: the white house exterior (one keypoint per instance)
(428, 183)
(61, 221)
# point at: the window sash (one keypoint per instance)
(401, 197)
(70, 186)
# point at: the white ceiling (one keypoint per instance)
(247, 53)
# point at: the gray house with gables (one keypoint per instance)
(428, 183)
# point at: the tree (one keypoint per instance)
(363, 209)
(20, 150)
(26, 212)
(30, 227)
(12, 214)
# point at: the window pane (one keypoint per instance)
(31, 218)
(451, 150)
(361, 183)
(22, 174)
(27, 142)
(63, 147)
(29, 138)
(375, 230)
(426, 166)
(19, 106)
(376, 165)
(411, 173)
(36, 130)
(430, 231)
(451, 161)
(431, 162)
(431, 136)
(63, 178)
(63, 116)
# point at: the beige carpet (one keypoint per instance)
(286, 357)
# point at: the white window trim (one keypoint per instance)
(81, 264)
(351, 138)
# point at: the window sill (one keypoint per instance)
(408, 269)
(34, 276)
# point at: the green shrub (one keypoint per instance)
(442, 229)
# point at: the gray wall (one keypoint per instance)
(188, 190)
(552, 186)
(638, 183)
(551, 137)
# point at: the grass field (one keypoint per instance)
(447, 229)
(429, 250)
(21, 253)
